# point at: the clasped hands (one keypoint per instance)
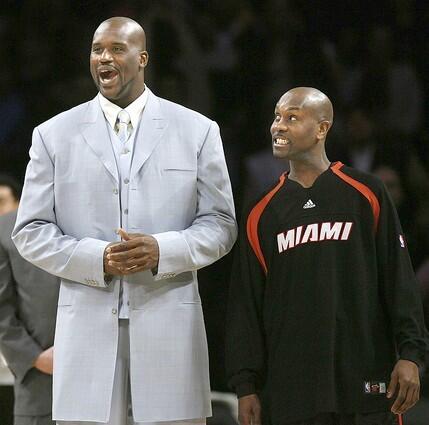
(135, 253)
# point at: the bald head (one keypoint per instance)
(313, 99)
(302, 119)
(118, 58)
(127, 27)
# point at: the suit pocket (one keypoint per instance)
(180, 163)
(180, 169)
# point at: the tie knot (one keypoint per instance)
(124, 117)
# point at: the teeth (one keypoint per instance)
(281, 141)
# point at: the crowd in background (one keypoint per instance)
(232, 60)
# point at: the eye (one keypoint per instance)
(293, 117)
(276, 117)
(96, 49)
(118, 49)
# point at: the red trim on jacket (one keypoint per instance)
(363, 189)
(253, 221)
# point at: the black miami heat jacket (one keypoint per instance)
(323, 298)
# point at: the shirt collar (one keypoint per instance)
(135, 108)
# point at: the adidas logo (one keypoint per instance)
(309, 204)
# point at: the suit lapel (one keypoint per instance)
(150, 130)
(95, 133)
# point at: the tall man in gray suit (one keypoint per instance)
(129, 322)
(28, 304)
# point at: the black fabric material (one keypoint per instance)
(330, 314)
(378, 418)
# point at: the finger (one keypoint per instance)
(403, 407)
(117, 247)
(257, 416)
(124, 256)
(414, 398)
(392, 385)
(129, 270)
(134, 235)
(117, 265)
(126, 245)
(124, 269)
(137, 262)
(113, 271)
(400, 400)
(123, 234)
(117, 269)
(244, 419)
(410, 400)
(135, 269)
(111, 245)
(145, 259)
(126, 236)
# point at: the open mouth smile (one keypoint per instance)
(281, 141)
(107, 76)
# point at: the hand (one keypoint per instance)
(249, 410)
(45, 361)
(113, 271)
(137, 252)
(406, 375)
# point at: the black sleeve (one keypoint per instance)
(245, 346)
(399, 285)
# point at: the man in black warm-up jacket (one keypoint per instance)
(325, 323)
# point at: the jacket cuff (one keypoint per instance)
(246, 388)
(413, 354)
(24, 361)
(88, 262)
(173, 255)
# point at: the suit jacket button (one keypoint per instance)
(114, 311)
(115, 191)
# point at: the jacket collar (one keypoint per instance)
(149, 132)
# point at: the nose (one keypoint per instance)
(279, 127)
(106, 56)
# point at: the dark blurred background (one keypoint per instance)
(232, 60)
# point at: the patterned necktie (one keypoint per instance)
(123, 127)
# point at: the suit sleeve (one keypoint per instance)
(17, 346)
(213, 231)
(245, 340)
(399, 285)
(36, 234)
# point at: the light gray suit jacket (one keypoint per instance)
(179, 191)
(28, 305)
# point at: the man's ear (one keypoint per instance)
(324, 127)
(144, 58)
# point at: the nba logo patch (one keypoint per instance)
(402, 241)
(374, 388)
